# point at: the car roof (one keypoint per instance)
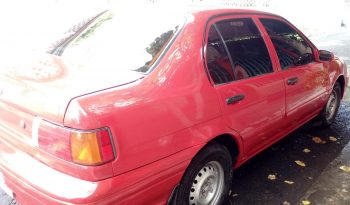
(212, 11)
(192, 8)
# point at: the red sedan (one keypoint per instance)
(158, 108)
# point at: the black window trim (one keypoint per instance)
(259, 15)
(225, 46)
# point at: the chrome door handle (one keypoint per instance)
(292, 81)
(234, 99)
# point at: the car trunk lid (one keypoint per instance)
(43, 85)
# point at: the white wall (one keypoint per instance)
(38, 19)
(312, 16)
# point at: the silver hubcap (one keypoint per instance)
(208, 185)
(331, 106)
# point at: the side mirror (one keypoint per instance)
(325, 55)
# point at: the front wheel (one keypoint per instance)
(330, 110)
(208, 178)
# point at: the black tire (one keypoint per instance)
(206, 163)
(329, 112)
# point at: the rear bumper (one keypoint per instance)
(33, 182)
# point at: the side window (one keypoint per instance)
(236, 51)
(291, 48)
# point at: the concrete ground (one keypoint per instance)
(332, 187)
(319, 177)
(273, 177)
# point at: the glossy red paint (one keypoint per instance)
(158, 121)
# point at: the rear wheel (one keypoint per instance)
(330, 111)
(208, 178)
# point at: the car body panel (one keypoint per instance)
(337, 68)
(310, 91)
(171, 101)
(47, 83)
(158, 121)
(256, 126)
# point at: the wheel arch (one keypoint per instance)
(341, 80)
(230, 142)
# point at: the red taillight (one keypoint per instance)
(105, 145)
(93, 147)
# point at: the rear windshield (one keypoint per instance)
(114, 41)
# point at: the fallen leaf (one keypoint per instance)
(305, 202)
(306, 150)
(317, 140)
(271, 177)
(331, 138)
(345, 168)
(300, 163)
(286, 203)
(288, 182)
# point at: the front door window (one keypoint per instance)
(291, 48)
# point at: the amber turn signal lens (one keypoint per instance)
(85, 148)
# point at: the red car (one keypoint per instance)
(158, 108)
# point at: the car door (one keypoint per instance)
(305, 79)
(251, 93)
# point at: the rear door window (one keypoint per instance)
(236, 50)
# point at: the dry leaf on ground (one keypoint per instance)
(288, 182)
(306, 150)
(345, 168)
(300, 163)
(318, 140)
(305, 202)
(332, 138)
(271, 177)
